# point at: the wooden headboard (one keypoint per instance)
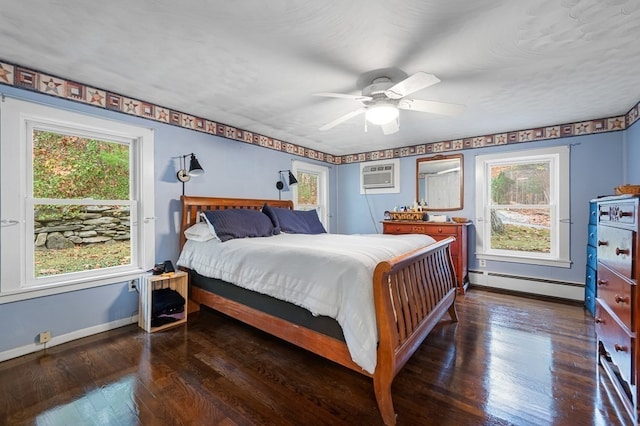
(192, 206)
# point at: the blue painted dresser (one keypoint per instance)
(592, 260)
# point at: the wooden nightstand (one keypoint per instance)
(178, 282)
(439, 231)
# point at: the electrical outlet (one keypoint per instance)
(44, 337)
(133, 285)
(482, 263)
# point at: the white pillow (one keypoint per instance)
(204, 219)
(199, 232)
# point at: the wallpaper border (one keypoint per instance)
(26, 78)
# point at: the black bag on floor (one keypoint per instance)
(166, 301)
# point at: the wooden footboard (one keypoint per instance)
(412, 293)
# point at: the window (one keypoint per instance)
(311, 192)
(523, 206)
(77, 201)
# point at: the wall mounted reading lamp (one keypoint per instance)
(195, 169)
(285, 178)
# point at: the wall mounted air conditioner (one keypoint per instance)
(378, 176)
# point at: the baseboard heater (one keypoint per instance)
(530, 285)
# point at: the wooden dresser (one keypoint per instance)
(439, 231)
(617, 300)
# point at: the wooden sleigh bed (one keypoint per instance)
(412, 293)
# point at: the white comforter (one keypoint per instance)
(328, 274)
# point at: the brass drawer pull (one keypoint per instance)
(603, 243)
(599, 321)
(619, 348)
(620, 251)
(603, 282)
(626, 214)
(620, 299)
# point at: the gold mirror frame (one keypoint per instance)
(446, 169)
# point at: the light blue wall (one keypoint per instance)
(232, 169)
(596, 168)
(632, 145)
(242, 170)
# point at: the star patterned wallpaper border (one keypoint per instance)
(22, 77)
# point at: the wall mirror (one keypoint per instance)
(439, 182)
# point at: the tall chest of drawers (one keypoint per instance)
(439, 231)
(592, 260)
(617, 302)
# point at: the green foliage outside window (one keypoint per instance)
(71, 167)
(500, 188)
(307, 188)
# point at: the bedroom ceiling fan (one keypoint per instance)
(382, 100)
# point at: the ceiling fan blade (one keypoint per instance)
(431, 106)
(413, 83)
(343, 96)
(391, 127)
(342, 119)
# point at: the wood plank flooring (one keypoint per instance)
(510, 360)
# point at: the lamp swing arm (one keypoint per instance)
(280, 185)
(195, 169)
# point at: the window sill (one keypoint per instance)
(58, 288)
(558, 263)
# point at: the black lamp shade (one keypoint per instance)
(195, 169)
(282, 184)
(292, 179)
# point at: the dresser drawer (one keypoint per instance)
(592, 238)
(617, 293)
(619, 345)
(623, 212)
(593, 213)
(445, 231)
(615, 249)
(590, 301)
(590, 279)
(592, 256)
(404, 228)
(437, 232)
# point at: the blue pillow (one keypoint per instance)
(312, 219)
(239, 223)
(298, 221)
(268, 210)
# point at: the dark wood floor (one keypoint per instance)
(509, 361)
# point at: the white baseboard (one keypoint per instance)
(58, 340)
(530, 285)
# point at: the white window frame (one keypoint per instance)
(559, 205)
(323, 188)
(17, 119)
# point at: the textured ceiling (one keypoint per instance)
(254, 64)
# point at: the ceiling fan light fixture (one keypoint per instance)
(381, 113)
